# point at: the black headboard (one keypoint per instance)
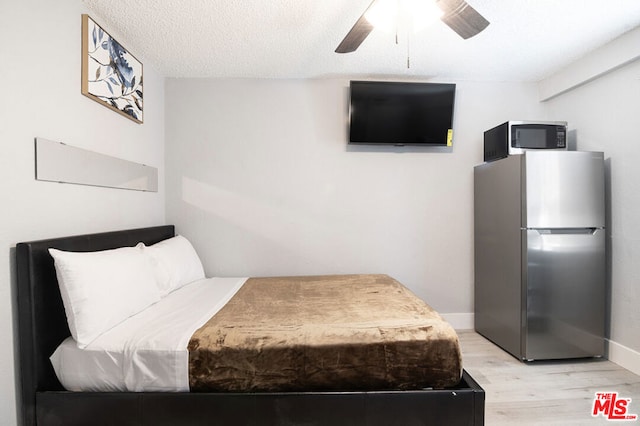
(42, 322)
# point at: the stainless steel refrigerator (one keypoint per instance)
(540, 267)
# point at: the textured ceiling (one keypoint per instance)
(526, 41)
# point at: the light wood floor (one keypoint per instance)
(547, 392)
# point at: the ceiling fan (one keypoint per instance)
(457, 14)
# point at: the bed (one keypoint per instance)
(43, 327)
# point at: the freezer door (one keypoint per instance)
(565, 293)
(563, 189)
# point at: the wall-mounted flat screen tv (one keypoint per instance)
(401, 113)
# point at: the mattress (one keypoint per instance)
(272, 334)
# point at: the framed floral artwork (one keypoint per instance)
(111, 75)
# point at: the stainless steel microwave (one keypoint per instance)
(515, 137)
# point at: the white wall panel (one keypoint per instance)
(260, 178)
(40, 41)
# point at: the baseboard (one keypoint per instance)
(623, 356)
(462, 321)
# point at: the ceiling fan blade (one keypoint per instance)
(356, 35)
(462, 18)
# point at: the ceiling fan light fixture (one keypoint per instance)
(457, 14)
(387, 15)
(383, 14)
(424, 13)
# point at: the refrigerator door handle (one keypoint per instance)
(563, 231)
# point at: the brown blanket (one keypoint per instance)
(355, 332)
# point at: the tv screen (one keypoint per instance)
(396, 113)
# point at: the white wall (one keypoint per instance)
(260, 178)
(40, 75)
(604, 114)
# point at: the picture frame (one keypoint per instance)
(111, 75)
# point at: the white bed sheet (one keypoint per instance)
(147, 352)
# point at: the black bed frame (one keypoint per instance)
(43, 326)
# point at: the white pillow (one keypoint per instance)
(103, 288)
(175, 262)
